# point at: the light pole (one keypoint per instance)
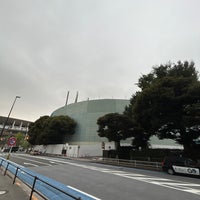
(8, 116)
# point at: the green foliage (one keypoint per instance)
(36, 129)
(169, 103)
(140, 138)
(51, 130)
(115, 127)
(21, 140)
(154, 154)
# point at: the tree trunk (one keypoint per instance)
(117, 148)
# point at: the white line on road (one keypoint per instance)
(95, 198)
(175, 186)
(32, 160)
(3, 192)
(26, 163)
(178, 185)
(128, 174)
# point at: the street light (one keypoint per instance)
(17, 97)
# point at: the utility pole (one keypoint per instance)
(2, 130)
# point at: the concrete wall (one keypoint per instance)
(50, 149)
(71, 150)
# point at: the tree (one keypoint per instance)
(36, 129)
(168, 104)
(51, 130)
(140, 138)
(21, 140)
(115, 127)
(58, 127)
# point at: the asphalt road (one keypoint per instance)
(111, 182)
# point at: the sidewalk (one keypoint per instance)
(10, 191)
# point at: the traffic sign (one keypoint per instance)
(12, 141)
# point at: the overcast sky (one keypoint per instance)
(97, 47)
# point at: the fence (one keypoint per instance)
(131, 163)
(43, 186)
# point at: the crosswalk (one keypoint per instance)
(163, 182)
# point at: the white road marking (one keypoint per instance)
(95, 198)
(26, 163)
(169, 183)
(181, 184)
(130, 174)
(32, 160)
(147, 179)
(54, 161)
(142, 178)
(176, 186)
(2, 192)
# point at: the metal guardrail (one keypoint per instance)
(131, 163)
(39, 184)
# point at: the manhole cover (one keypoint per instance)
(3, 192)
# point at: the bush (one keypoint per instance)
(153, 154)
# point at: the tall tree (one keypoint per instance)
(51, 130)
(140, 138)
(36, 129)
(169, 103)
(59, 127)
(115, 127)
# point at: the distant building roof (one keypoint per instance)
(18, 122)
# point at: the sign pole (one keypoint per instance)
(8, 156)
(11, 142)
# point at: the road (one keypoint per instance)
(111, 182)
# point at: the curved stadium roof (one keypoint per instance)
(86, 113)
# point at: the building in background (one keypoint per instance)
(12, 127)
(85, 141)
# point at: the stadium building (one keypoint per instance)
(14, 125)
(85, 141)
(10, 127)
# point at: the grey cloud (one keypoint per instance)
(99, 48)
